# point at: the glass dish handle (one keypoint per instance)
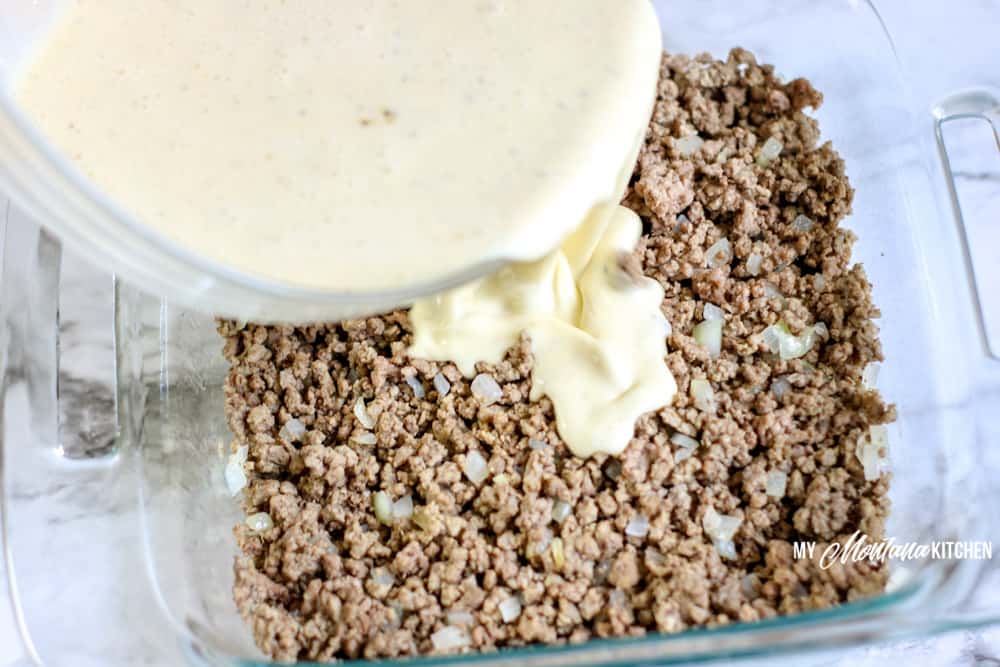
(969, 601)
(62, 510)
(980, 104)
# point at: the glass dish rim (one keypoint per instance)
(851, 610)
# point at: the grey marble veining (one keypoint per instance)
(943, 46)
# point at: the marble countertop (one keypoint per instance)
(943, 47)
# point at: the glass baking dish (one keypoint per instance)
(122, 547)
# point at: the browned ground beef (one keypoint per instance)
(330, 581)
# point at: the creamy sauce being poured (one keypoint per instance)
(376, 145)
(597, 334)
(350, 146)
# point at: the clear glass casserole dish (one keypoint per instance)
(122, 548)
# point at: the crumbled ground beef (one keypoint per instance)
(330, 580)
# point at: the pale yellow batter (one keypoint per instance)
(350, 146)
(378, 144)
(597, 334)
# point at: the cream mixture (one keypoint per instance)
(597, 333)
(377, 145)
(350, 146)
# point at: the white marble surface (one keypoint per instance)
(943, 46)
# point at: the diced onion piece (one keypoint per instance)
(688, 145)
(560, 510)
(441, 385)
(398, 613)
(486, 388)
(655, 557)
(776, 483)
(820, 330)
(383, 577)
(236, 478)
(448, 638)
(541, 545)
(712, 312)
(260, 522)
(537, 445)
(364, 438)
(682, 454)
(728, 525)
(770, 150)
(292, 430)
(382, 505)
(709, 336)
(417, 387)
(780, 387)
(754, 262)
(558, 552)
(474, 467)
(240, 455)
(720, 526)
(704, 397)
(459, 617)
(719, 253)
(726, 549)
(873, 450)
(779, 339)
(819, 281)
(772, 337)
(684, 441)
(793, 347)
(616, 598)
(403, 508)
(638, 526)
(869, 377)
(771, 291)
(803, 223)
(501, 479)
(361, 412)
(510, 609)
(748, 585)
